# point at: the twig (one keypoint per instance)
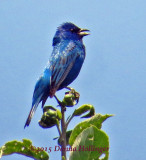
(63, 136)
(63, 129)
(69, 120)
(58, 128)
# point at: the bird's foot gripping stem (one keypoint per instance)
(60, 103)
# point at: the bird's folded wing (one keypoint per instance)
(65, 59)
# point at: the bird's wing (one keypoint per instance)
(64, 59)
(40, 94)
(42, 85)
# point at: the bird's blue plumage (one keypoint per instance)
(63, 67)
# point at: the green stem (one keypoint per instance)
(63, 129)
(58, 128)
(63, 136)
(69, 120)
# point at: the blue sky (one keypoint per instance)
(113, 77)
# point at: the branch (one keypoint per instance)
(63, 129)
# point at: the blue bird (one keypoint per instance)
(63, 67)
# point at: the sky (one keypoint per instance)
(113, 77)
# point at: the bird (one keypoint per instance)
(63, 66)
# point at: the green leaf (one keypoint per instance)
(24, 148)
(71, 98)
(95, 120)
(84, 108)
(63, 158)
(47, 108)
(90, 145)
(51, 108)
(59, 114)
(50, 117)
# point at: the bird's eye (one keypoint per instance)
(72, 30)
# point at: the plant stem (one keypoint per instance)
(63, 136)
(63, 129)
(58, 128)
(69, 120)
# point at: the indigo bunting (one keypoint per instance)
(64, 64)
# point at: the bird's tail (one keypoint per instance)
(31, 113)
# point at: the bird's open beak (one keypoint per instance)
(84, 32)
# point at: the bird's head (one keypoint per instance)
(70, 31)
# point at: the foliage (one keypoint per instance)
(91, 142)
(93, 121)
(24, 148)
(86, 141)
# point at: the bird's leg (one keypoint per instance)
(60, 103)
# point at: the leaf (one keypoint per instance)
(46, 108)
(71, 98)
(96, 120)
(24, 148)
(50, 117)
(51, 108)
(90, 145)
(84, 108)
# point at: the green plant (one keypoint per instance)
(86, 141)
